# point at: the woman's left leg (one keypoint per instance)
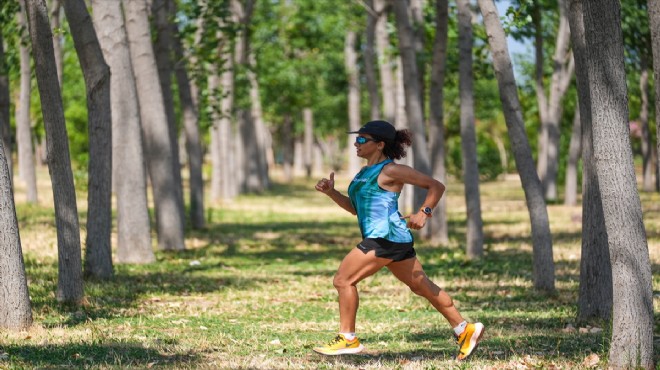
(411, 272)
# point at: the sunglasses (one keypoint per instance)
(362, 140)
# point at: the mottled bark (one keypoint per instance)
(69, 280)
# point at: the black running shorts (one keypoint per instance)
(387, 249)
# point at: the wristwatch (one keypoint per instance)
(428, 211)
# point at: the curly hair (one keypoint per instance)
(397, 148)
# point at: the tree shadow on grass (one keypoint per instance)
(80, 356)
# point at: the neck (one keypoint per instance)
(376, 158)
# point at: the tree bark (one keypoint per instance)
(551, 109)
(15, 308)
(574, 150)
(26, 163)
(191, 129)
(474, 247)
(654, 25)
(129, 173)
(543, 264)
(595, 295)
(370, 62)
(353, 75)
(98, 251)
(168, 200)
(58, 39)
(163, 45)
(5, 128)
(69, 282)
(438, 225)
(413, 94)
(632, 322)
(385, 62)
(647, 152)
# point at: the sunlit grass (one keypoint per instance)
(254, 291)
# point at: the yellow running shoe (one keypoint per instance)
(340, 346)
(469, 339)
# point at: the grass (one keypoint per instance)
(254, 291)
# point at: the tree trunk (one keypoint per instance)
(168, 201)
(543, 264)
(287, 147)
(632, 322)
(261, 133)
(5, 128)
(595, 295)
(654, 25)
(370, 62)
(26, 169)
(438, 225)
(551, 109)
(574, 149)
(163, 45)
(385, 64)
(352, 71)
(413, 93)
(129, 173)
(98, 253)
(191, 129)
(69, 282)
(308, 140)
(474, 247)
(15, 309)
(58, 39)
(647, 152)
(406, 199)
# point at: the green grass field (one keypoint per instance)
(254, 291)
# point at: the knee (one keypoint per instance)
(341, 282)
(419, 286)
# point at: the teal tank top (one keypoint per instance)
(377, 209)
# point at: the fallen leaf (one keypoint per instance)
(591, 360)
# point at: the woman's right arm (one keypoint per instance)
(327, 187)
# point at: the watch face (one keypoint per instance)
(427, 210)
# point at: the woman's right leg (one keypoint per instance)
(355, 267)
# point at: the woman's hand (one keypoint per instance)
(416, 220)
(326, 186)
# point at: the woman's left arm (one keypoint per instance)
(398, 174)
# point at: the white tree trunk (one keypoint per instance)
(129, 172)
(168, 200)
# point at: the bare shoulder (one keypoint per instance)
(397, 171)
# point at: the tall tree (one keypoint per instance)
(438, 225)
(654, 25)
(69, 282)
(98, 251)
(15, 308)
(413, 92)
(385, 61)
(353, 75)
(543, 264)
(191, 130)
(550, 108)
(163, 45)
(26, 163)
(475, 235)
(5, 128)
(632, 321)
(370, 61)
(129, 173)
(595, 294)
(168, 200)
(58, 40)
